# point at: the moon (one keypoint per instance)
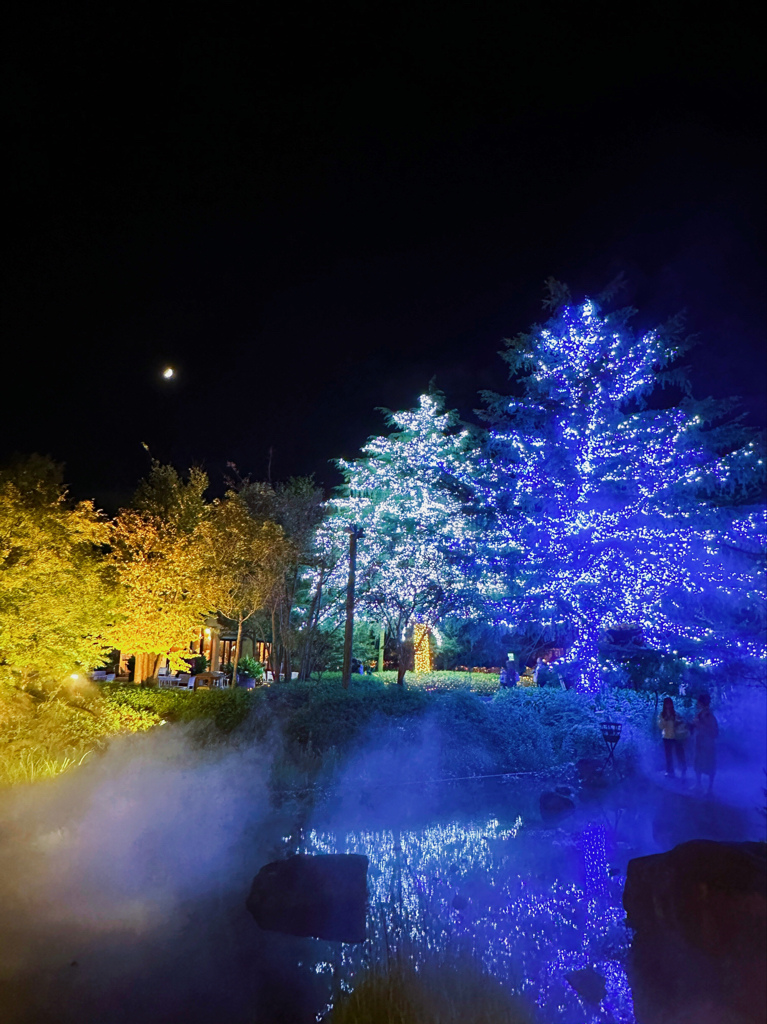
(168, 372)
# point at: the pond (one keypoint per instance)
(123, 888)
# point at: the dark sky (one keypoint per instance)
(312, 210)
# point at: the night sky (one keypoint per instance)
(311, 210)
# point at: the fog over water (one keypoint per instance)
(123, 883)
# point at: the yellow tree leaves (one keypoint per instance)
(56, 596)
(246, 561)
(159, 560)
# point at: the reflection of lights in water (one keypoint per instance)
(458, 888)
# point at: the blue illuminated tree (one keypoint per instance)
(613, 508)
(409, 493)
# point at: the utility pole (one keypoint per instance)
(355, 532)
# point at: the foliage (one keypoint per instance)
(159, 559)
(291, 616)
(615, 506)
(408, 492)
(245, 562)
(442, 681)
(462, 733)
(442, 987)
(250, 668)
(56, 595)
(50, 731)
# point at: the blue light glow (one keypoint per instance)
(458, 888)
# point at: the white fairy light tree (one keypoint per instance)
(611, 510)
(409, 494)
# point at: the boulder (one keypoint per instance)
(322, 896)
(700, 949)
(555, 806)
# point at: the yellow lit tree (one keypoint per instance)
(245, 561)
(159, 556)
(56, 596)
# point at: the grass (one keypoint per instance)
(441, 990)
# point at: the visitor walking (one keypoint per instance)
(706, 729)
(672, 730)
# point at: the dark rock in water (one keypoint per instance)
(563, 790)
(554, 806)
(460, 902)
(700, 949)
(588, 983)
(323, 896)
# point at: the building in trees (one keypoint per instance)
(618, 506)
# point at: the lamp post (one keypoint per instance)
(355, 533)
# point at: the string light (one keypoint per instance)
(421, 648)
(607, 512)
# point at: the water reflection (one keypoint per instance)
(532, 906)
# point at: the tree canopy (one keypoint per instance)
(409, 493)
(57, 599)
(614, 507)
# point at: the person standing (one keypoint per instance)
(671, 728)
(512, 676)
(706, 730)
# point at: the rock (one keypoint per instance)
(323, 896)
(700, 948)
(460, 902)
(589, 984)
(554, 807)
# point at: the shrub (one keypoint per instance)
(439, 989)
(250, 668)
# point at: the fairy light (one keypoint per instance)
(606, 511)
(421, 648)
(407, 491)
(527, 931)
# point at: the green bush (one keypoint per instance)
(250, 668)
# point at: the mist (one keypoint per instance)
(123, 882)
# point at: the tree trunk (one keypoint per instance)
(401, 663)
(381, 642)
(237, 645)
(140, 668)
(273, 653)
(311, 623)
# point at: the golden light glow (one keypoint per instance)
(421, 647)
(168, 372)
